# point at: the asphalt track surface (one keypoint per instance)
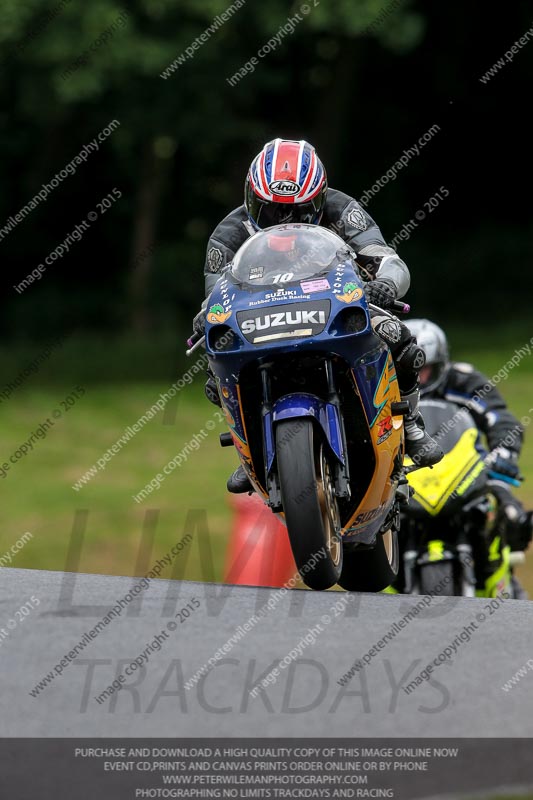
(464, 698)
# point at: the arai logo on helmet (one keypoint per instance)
(284, 188)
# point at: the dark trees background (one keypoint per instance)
(362, 80)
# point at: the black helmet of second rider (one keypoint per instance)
(433, 342)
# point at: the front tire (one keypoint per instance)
(309, 502)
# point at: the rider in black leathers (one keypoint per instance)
(462, 384)
(386, 274)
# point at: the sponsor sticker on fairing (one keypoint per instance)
(385, 428)
(317, 285)
(217, 314)
(351, 292)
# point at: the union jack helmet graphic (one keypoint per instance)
(286, 182)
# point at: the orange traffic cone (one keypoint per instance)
(259, 552)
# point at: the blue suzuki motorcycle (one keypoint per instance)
(311, 399)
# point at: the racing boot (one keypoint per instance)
(421, 448)
(239, 482)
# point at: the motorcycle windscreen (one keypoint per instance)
(286, 254)
(453, 477)
(445, 421)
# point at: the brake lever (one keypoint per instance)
(194, 343)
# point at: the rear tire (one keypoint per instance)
(372, 570)
(309, 502)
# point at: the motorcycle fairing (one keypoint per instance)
(347, 335)
(452, 476)
(377, 393)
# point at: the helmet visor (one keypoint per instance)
(265, 215)
(431, 375)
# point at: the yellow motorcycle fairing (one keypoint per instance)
(386, 436)
(452, 476)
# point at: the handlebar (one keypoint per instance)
(193, 343)
(401, 307)
(395, 305)
(193, 339)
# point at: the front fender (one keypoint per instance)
(298, 406)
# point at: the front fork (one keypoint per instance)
(342, 469)
(328, 414)
(414, 557)
(272, 480)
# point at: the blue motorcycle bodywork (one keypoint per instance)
(255, 325)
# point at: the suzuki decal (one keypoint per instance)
(283, 318)
(284, 321)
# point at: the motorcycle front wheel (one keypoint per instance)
(309, 502)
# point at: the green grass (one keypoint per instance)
(37, 495)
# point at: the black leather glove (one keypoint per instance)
(198, 323)
(382, 293)
(503, 461)
(517, 522)
(520, 532)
